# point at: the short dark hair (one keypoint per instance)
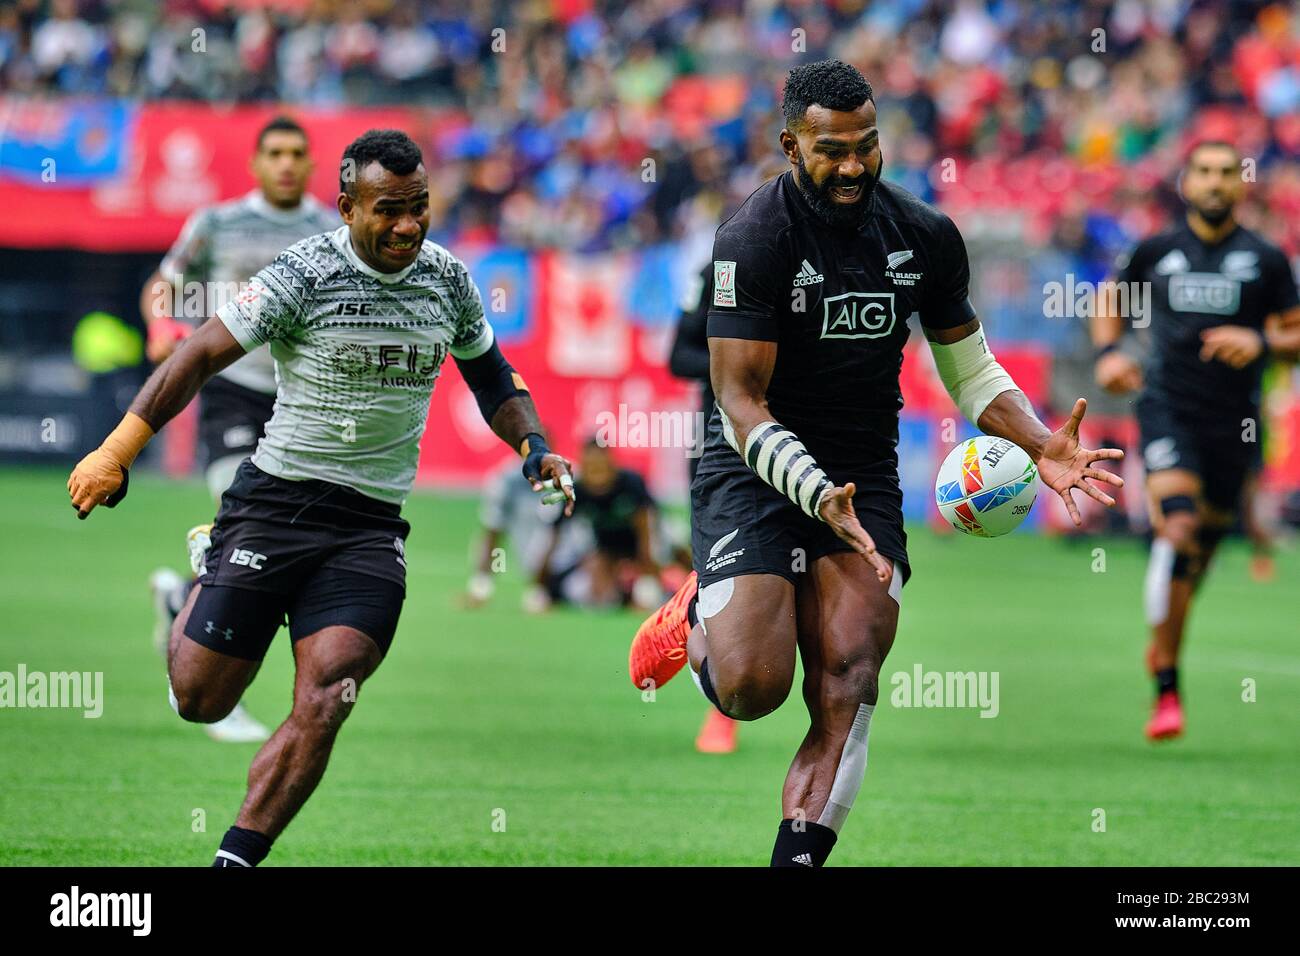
(281, 124)
(833, 84)
(390, 148)
(1201, 144)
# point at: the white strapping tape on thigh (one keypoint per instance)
(850, 772)
(714, 597)
(1160, 569)
(896, 585)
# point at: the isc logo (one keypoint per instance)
(249, 559)
(353, 308)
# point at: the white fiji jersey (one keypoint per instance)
(221, 246)
(357, 353)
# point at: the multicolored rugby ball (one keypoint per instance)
(986, 486)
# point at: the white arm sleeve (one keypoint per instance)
(971, 374)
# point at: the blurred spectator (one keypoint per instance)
(597, 124)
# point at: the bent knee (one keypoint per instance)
(325, 706)
(202, 707)
(751, 695)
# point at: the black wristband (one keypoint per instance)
(537, 450)
(1107, 349)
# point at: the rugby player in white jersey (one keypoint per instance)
(219, 247)
(359, 322)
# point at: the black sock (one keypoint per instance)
(1166, 680)
(808, 846)
(692, 615)
(248, 847)
(707, 684)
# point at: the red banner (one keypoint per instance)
(179, 157)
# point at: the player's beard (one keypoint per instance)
(1215, 217)
(839, 215)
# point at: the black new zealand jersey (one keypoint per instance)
(1194, 287)
(836, 302)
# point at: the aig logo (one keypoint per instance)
(858, 315)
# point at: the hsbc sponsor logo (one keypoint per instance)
(1207, 292)
(724, 283)
(858, 315)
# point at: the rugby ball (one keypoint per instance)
(986, 486)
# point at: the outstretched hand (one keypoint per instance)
(1066, 465)
(555, 481)
(836, 509)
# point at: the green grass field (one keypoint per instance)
(491, 715)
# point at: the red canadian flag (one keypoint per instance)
(587, 327)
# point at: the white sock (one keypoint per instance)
(698, 683)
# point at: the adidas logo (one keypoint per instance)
(804, 858)
(896, 259)
(1174, 261)
(808, 275)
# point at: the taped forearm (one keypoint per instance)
(125, 442)
(780, 459)
(971, 374)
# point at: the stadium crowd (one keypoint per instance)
(1071, 115)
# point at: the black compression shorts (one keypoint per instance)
(313, 552)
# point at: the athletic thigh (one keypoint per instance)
(749, 628)
(847, 621)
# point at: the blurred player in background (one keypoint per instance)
(219, 247)
(546, 548)
(1222, 301)
(360, 321)
(622, 566)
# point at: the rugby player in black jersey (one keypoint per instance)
(1222, 300)
(797, 523)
